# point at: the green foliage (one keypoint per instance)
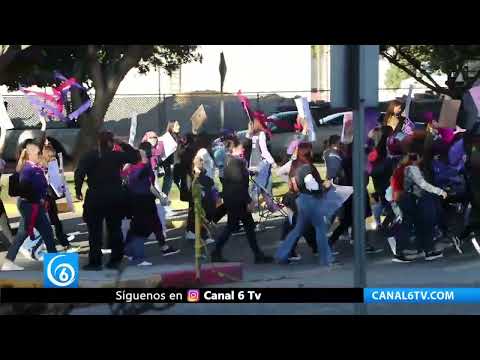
(394, 77)
(35, 66)
(422, 61)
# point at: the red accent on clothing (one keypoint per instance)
(33, 220)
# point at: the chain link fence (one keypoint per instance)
(155, 110)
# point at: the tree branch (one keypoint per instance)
(95, 69)
(395, 62)
(419, 67)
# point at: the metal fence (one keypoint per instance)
(154, 110)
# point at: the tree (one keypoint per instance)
(394, 77)
(101, 67)
(7, 54)
(422, 61)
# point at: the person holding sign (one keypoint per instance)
(402, 128)
(53, 194)
(32, 189)
(173, 129)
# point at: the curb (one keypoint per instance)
(210, 274)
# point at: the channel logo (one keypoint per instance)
(193, 295)
(60, 270)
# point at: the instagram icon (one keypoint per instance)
(193, 296)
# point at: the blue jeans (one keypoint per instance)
(42, 225)
(167, 180)
(135, 248)
(310, 211)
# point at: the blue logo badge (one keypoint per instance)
(60, 270)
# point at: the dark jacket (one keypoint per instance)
(105, 192)
(235, 186)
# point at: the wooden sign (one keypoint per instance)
(198, 118)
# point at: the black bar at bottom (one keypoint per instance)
(210, 295)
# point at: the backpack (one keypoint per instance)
(14, 185)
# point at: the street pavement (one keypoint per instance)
(454, 270)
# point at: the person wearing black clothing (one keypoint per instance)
(173, 128)
(238, 205)
(105, 197)
(347, 220)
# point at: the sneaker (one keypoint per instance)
(335, 252)
(294, 257)
(209, 241)
(71, 249)
(393, 244)
(401, 259)
(91, 267)
(409, 252)
(372, 250)
(170, 251)
(27, 254)
(11, 266)
(263, 259)
(71, 238)
(475, 244)
(145, 263)
(433, 255)
(190, 235)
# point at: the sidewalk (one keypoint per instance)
(133, 277)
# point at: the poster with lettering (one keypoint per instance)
(475, 92)
(449, 113)
(304, 111)
(347, 130)
(198, 118)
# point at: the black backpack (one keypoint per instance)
(14, 185)
(16, 188)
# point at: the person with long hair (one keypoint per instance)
(173, 128)
(305, 180)
(34, 187)
(201, 156)
(403, 128)
(260, 160)
(49, 154)
(143, 209)
(418, 208)
(381, 170)
(105, 197)
(238, 204)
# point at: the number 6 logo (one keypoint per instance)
(61, 270)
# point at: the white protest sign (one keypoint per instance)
(68, 195)
(55, 178)
(5, 121)
(169, 145)
(133, 129)
(406, 112)
(304, 112)
(347, 130)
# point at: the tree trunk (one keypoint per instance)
(90, 124)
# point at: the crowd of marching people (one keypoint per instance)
(421, 179)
